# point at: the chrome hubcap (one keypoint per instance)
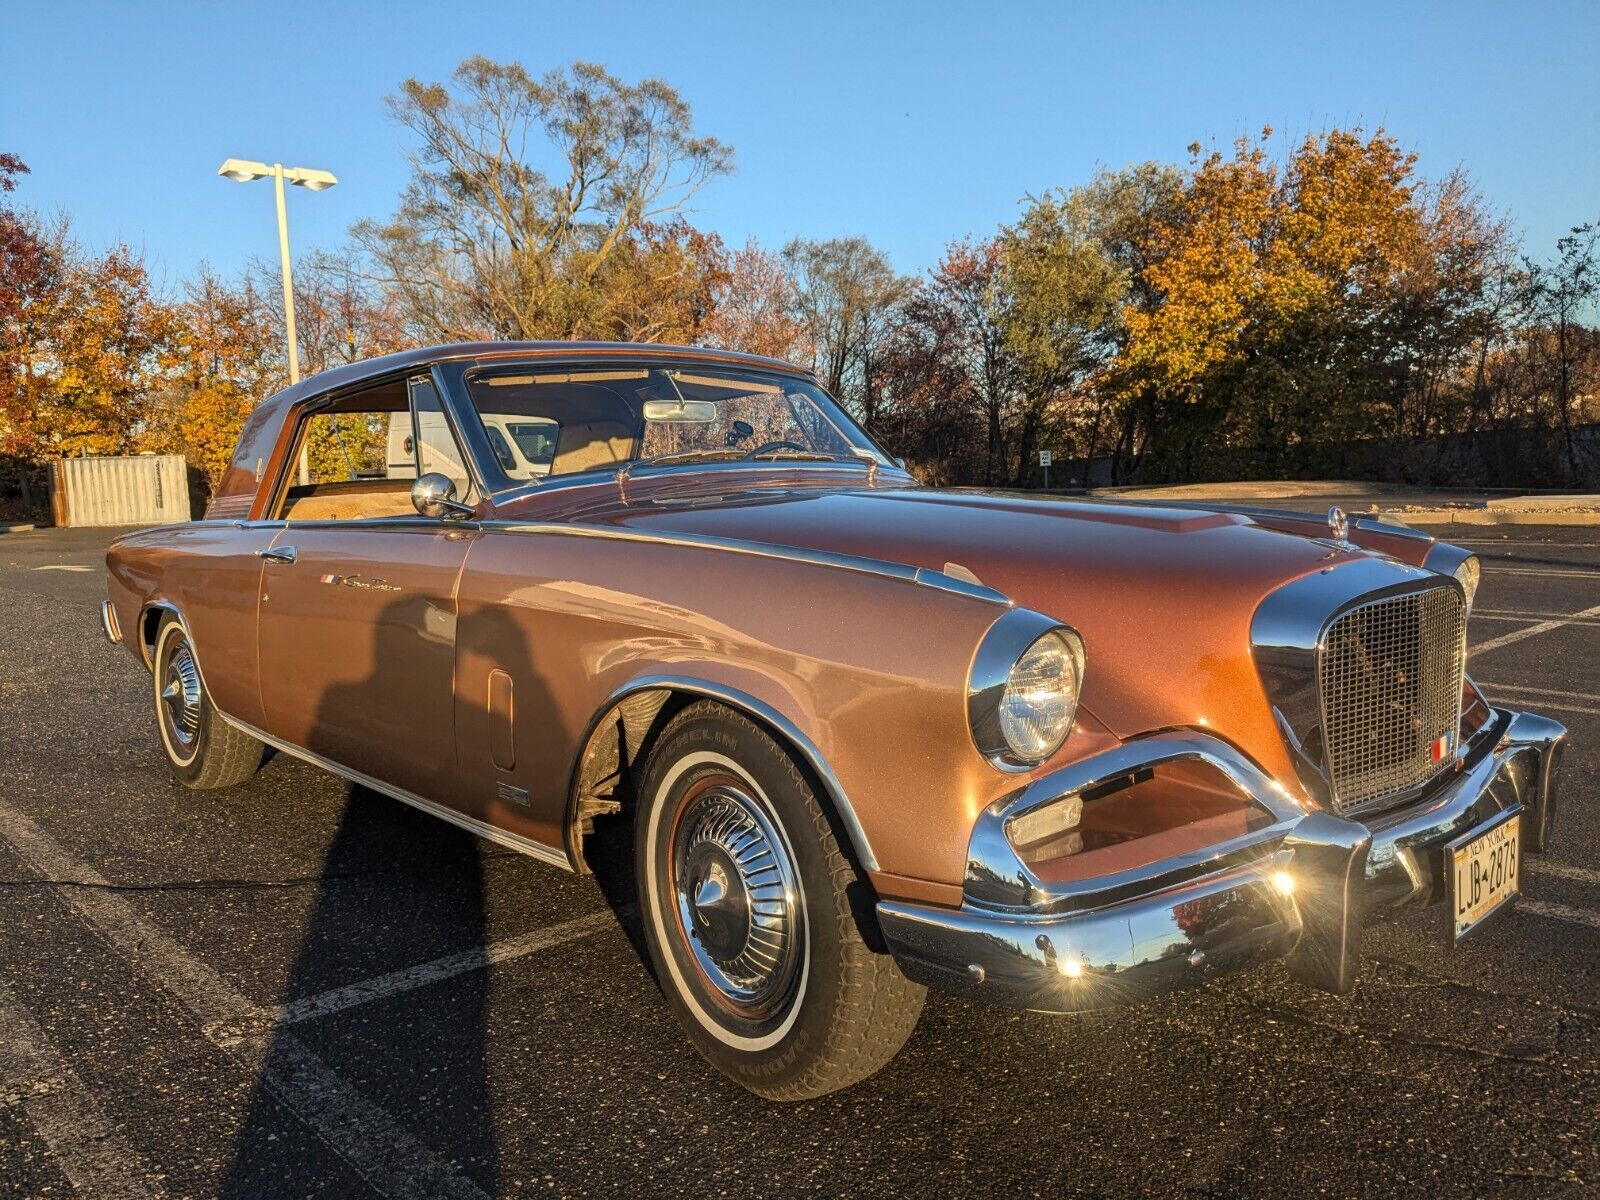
(739, 905)
(180, 696)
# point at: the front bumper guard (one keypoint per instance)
(1300, 889)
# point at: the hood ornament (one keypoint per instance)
(1338, 524)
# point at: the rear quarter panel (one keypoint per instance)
(209, 573)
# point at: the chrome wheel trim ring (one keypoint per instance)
(663, 920)
(740, 913)
(179, 693)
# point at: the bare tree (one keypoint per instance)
(523, 190)
(1559, 294)
(845, 293)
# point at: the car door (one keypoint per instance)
(357, 638)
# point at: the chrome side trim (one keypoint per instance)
(922, 576)
(756, 708)
(108, 622)
(483, 829)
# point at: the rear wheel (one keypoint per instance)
(745, 898)
(203, 750)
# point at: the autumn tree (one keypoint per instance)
(112, 340)
(1566, 351)
(1074, 269)
(227, 355)
(948, 383)
(1294, 310)
(525, 191)
(29, 271)
(662, 284)
(754, 306)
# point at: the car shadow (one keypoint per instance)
(398, 888)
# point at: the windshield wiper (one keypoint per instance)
(803, 455)
(632, 465)
(624, 472)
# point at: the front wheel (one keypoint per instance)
(745, 898)
(203, 750)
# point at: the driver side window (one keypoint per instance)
(356, 459)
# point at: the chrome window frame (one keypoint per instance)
(498, 487)
(302, 412)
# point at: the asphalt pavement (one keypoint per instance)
(299, 988)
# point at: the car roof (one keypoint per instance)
(351, 374)
(261, 433)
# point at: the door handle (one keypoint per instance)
(278, 554)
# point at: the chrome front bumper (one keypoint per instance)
(1300, 889)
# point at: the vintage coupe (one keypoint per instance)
(866, 737)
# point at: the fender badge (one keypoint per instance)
(1338, 524)
(508, 794)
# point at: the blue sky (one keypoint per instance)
(910, 124)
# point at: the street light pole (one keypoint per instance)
(288, 280)
(244, 170)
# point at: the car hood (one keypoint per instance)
(1163, 597)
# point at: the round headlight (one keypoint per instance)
(1022, 690)
(1040, 699)
(1467, 576)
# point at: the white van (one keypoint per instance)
(524, 446)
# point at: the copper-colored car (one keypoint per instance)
(867, 736)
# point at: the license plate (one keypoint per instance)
(1484, 872)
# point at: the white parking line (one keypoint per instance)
(1516, 635)
(1547, 698)
(1563, 871)
(427, 973)
(1527, 618)
(83, 1143)
(1538, 691)
(1518, 613)
(1538, 571)
(1510, 543)
(1560, 912)
(395, 1163)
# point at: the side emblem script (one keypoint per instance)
(365, 585)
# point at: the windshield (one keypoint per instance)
(601, 418)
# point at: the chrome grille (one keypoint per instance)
(1389, 674)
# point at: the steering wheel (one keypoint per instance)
(769, 447)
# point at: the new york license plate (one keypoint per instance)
(1484, 870)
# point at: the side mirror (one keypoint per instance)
(434, 495)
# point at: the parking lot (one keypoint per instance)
(300, 988)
